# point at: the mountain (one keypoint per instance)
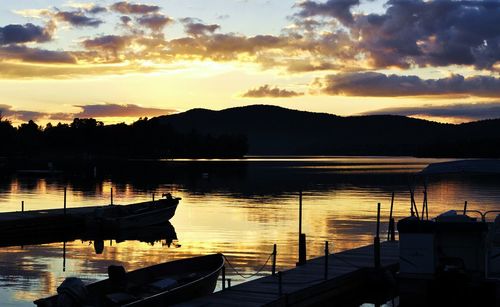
(272, 130)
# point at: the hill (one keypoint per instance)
(272, 130)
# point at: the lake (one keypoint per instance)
(237, 207)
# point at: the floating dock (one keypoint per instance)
(349, 274)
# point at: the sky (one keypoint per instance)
(120, 60)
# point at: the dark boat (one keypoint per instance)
(158, 285)
(71, 221)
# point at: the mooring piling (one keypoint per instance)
(153, 195)
(22, 205)
(111, 196)
(273, 269)
(64, 200)
(465, 208)
(376, 241)
(327, 253)
(302, 236)
(229, 283)
(391, 233)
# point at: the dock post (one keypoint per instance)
(22, 206)
(273, 270)
(326, 259)
(280, 286)
(224, 278)
(64, 256)
(376, 241)
(302, 236)
(111, 196)
(153, 196)
(465, 208)
(229, 283)
(302, 249)
(390, 233)
(64, 200)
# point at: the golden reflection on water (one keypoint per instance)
(241, 217)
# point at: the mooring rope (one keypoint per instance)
(248, 276)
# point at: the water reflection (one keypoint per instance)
(240, 208)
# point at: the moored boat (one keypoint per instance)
(158, 285)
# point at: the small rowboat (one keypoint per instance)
(158, 285)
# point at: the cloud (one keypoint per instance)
(8, 112)
(194, 27)
(119, 110)
(377, 84)
(109, 44)
(125, 7)
(339, 9)
(467, 112)
(155, 22)
(77, 19)
(35, 55)
(87, 111)
(267, 91)
(18, 34)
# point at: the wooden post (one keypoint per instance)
(224, 278)
(22, 206)
(376, 241)
(390, 233)
(302, 249)
(300, 212)
(64, 256)
(273, 270)
(326, 259)
(465, 208)
(64, 200)
(153, 196)
(302, 237)
(280, 286)
(111, 196)
(229, 283)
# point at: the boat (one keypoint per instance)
(450, 260)
(135, 215)
(158, 285)
(71, 221)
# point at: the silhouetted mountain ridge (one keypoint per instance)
(273, 130)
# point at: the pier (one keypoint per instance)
(338, 279)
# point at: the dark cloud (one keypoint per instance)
(339, 9)
(377, 84)
(119, 110)
(125, 7)
(419, 33)
(267, 91)
(155, 22)
(111, 45)
(125, 20)
(93, 110)
(8, 112)
(36, 55)
(18, 34)
(475, 111)
(96, 9)
(194, 27)
(77, 19)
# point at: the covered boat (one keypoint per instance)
(158, 285)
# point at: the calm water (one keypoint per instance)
(237, 207)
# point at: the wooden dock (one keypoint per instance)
(349, 274)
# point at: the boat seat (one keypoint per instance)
(163, 284)
(120, 298)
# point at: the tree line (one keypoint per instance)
(145, 138)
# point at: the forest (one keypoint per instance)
(89, 138)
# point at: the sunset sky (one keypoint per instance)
(118, 60)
